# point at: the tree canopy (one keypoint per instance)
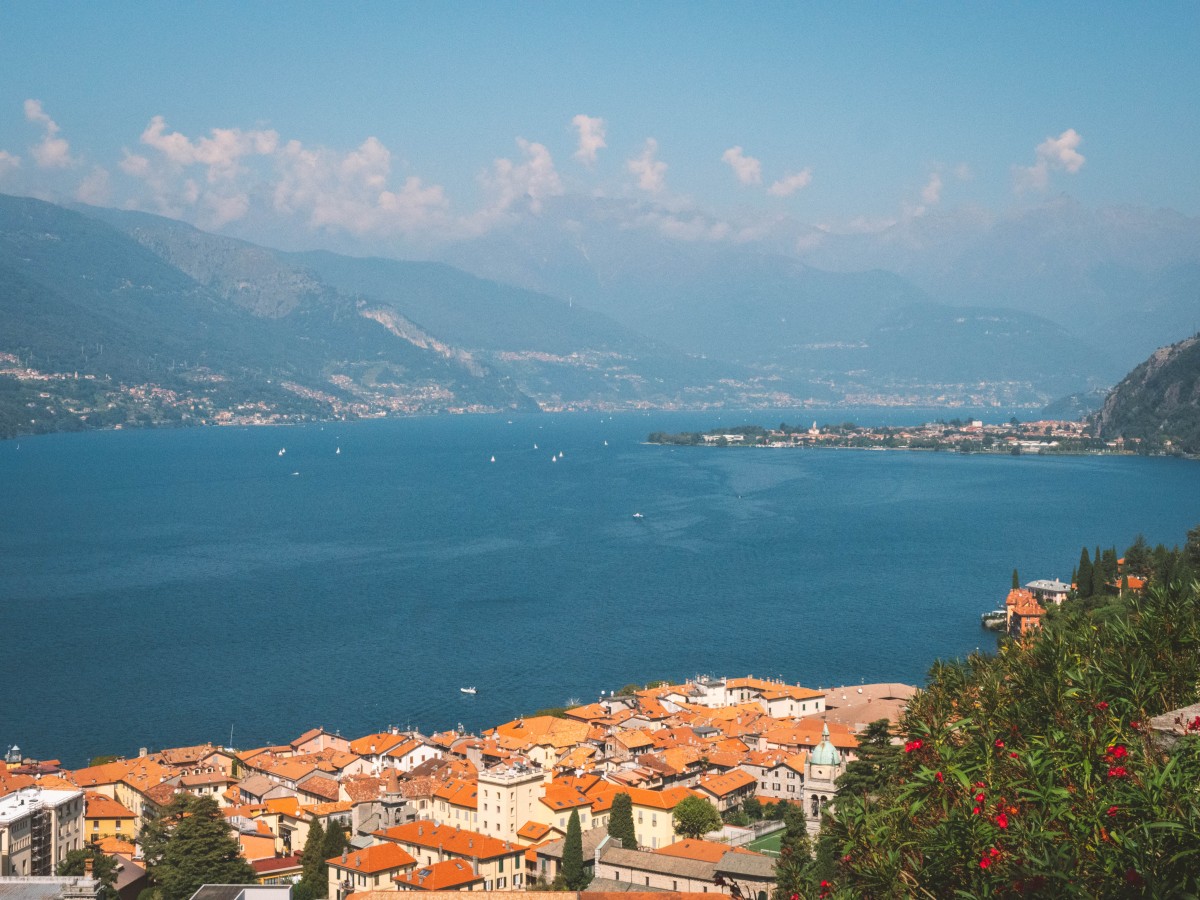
(104, 869)
(695, 817)
(188, 845)
(620, 821)
(573, 877)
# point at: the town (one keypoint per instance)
(1044, 436)
(453, 811)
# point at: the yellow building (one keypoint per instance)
(105, 817)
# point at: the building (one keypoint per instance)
(1046, 591)
(824, 767)
(499, 863)
(369, 869)
(1023, 612)
(38, 828)
(509, 795)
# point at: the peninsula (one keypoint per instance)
(1045, 436)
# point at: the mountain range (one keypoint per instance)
(102, 307)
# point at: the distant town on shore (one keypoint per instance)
(1045, 436)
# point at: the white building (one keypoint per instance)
(38, 828)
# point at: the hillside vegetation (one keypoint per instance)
(1158, 403)
(1034, 772)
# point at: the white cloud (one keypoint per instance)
(686, 226)
(8, 162)
(349, 191)
(747, 169)
(94, 188)
(532, 179)
(1052, 154)
(651, 173)
(931, 194)
(222, 153)
(53, 152)
(789, 184)
(591, 138)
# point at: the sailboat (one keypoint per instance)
(468, 690)
(493, 459)
(282, 450)
(337, 452)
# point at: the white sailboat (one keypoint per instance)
(282, 450)
(468, 690)
(493, 459)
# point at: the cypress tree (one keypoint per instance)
(1083, 581)
(574, 876)
(877, 760)
(795, 856)
(335, 840)
(314, 876)
(1016, 580)
(620, 822)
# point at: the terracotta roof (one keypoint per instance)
(361, 788)
(111, 846)
(533, 831)
(724, 785)
(274, 864)
(458, 841)
(328, 809)
(320, 786)
(375, 744)
(98, 806)
(447, 875)
(540, 731)
(561, 796)
(459, 793)
(602, 796)
(373, 859)
(184, 756)
(704, 851)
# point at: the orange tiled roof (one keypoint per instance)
(602, 796)
(561, 796)
(448, 875)
(539, 731)
(460, 842)
(724, 785)
(98, 806)
(379, 742)
(459, 793)
(110, 846)
(703, 851)
(533, 831)
(373, 859)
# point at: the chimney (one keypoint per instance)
(343, 856)
(88, 865)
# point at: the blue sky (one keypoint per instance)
(450, 119)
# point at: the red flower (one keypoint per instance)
(1013, 754)
(989, 858)
(984, 863)
(979, 798)
(1102, 705)
(1113, 810)
(1135, 725)
(975, 811)
(846, 858)
(1118, 751)
(1002, 820)
(1194, 725)
(980, 784)
(825, 888)
(999, 744)
(914, 745)
(940, 778)
(1117, 772)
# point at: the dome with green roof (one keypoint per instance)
(825, 753)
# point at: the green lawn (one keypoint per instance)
(767, 844)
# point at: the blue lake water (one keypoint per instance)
(159, 588)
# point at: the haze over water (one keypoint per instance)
(159, 587)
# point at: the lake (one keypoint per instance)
(160, 588)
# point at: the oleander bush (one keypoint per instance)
(1034, 772)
